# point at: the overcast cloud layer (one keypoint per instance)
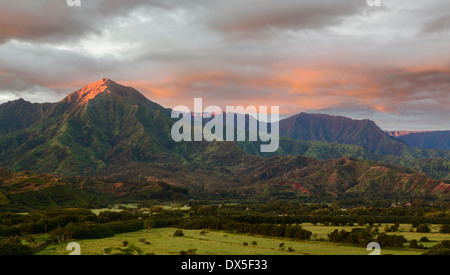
(390, 64)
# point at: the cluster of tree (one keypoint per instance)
(442, 248)
(14, 246)
(386, 240)
(363, 236)
(94, 231)
(392, 228)
(124, 215)
(76, 223)
(42, 221)
(415, 245)
(334, 214)
(264, 229)
(445, 229)
(358, 236)
(423, 228)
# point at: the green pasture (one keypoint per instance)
(160, 241)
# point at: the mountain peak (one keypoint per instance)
(104, 85)
(104, 82)
(89, 91)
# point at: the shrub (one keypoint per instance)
(129, 250)
(178, 233)
(424, 240)
(191, 251)
(416, 245)
(144, 241)
(423, 228)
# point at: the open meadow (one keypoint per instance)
(161, 241)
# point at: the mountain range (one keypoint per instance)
(115, 133)
(424, 139)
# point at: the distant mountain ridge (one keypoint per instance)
(424, 139)
(20, 114)
(338, 129)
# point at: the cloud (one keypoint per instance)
(441, 24)
(55, 21)
(247, 17)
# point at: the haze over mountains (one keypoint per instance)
(108, 130)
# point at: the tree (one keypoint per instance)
(314, 220)
(59, 235)
(149, 224)
(31, 239)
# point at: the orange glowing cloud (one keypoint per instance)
(300, 89)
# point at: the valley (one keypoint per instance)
(332, 181)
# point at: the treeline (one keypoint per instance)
(94, 231)
(334, 214)
(78, 222)
(335, 220)
(263, 229)
(12, 224)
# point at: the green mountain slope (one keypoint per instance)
(99, 124)
(337, 129)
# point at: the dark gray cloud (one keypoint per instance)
(54, 20)
(249, 17)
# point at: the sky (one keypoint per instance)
(388, 63)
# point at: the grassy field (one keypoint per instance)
(114, 208)
(162, 242)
